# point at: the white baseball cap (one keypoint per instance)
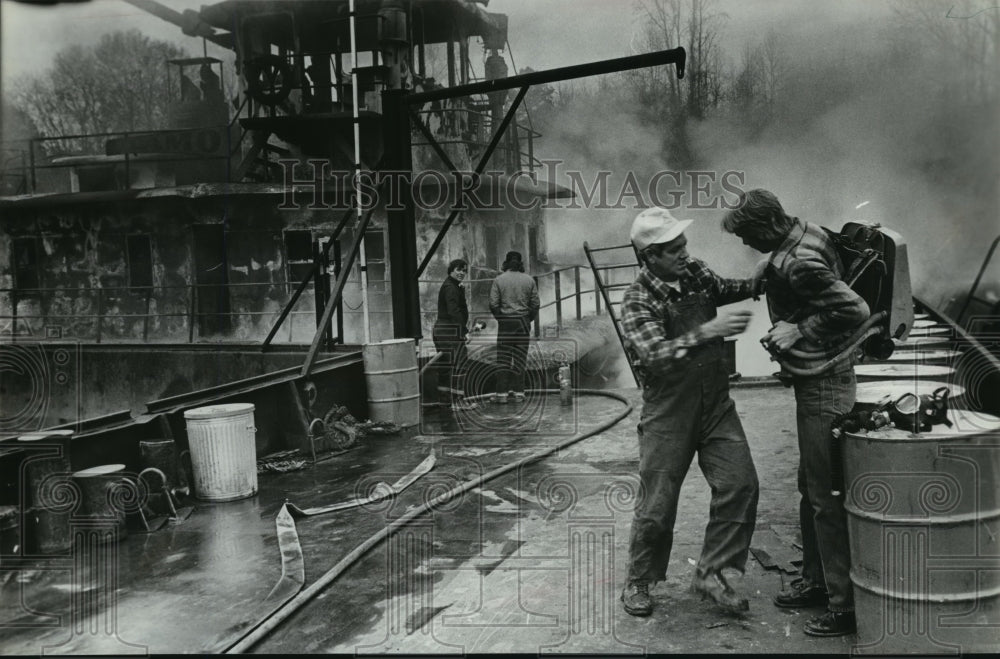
(654, 226)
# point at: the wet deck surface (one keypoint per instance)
(531, 562)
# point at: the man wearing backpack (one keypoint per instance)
(811, 308)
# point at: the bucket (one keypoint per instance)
(393, 381)
(101, 500)
(50, 494)
(922, 512)
(223, 451)
(161, 454)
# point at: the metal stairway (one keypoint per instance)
(625, 258)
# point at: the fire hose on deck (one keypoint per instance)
(270, 622)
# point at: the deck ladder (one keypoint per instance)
(624, 257)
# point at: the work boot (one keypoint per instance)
(832, 623)
(635, 596)
(800, 595)
(712, 585)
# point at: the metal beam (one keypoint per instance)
(442, 154)
(479, 170)
(305, 281)
(338, 290)
(401, 217)
(190, 22)
(676, 56)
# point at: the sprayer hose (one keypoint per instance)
(813, 354)
(810, 372)
(259, 631)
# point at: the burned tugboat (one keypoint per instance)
(214, 348)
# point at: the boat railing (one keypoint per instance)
(461, 124)
(196, 312)
(565, 293)
(119, 153)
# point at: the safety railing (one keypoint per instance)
(472, 128)
(564, 291)
(126, 149)
(188, 313)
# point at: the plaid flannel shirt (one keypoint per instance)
(645, 324)
(805, 286)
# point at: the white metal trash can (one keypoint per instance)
(223, 451)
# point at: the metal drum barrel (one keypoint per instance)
(50, 494)
(223, 451)
(102, 500)
(923, 510)
(393, 381)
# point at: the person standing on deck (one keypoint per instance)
(514, 303)
(811, 308)
(450, 333)
(674, 334)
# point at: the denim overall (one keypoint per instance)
(687, 410)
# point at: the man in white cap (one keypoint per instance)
(674, 334)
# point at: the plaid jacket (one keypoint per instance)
(646, 326)
(805, 286)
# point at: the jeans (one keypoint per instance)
(513, 338)
(450, 369)
(826, 553)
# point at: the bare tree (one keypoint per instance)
(966, 36)
(774, 68)
(694, 25)
(119, 84)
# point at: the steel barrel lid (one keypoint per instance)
(937, 330)
(100, 470)
(923, 342)
(925, 356)
(870, 393)
(903, 370)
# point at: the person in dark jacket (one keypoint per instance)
(812, 308)
(450, 332)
